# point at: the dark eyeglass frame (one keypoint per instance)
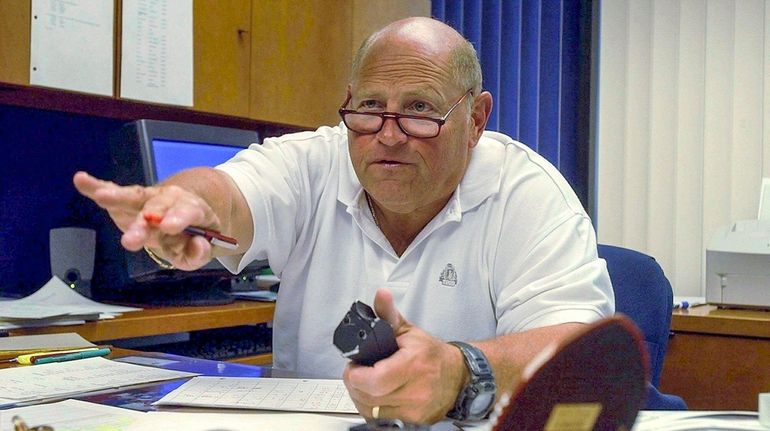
(397, 116)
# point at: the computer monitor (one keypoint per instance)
(147, 152)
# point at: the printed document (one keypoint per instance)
(273, 421)
(300, 395)
(71, 45)
(157, 51)
(72, 415)
(63, 379)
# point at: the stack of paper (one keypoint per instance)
(66, 379)
(55, 304)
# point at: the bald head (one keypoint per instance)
(431, 38)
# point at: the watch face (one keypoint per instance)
(481, 403)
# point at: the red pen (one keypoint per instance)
(212, 236)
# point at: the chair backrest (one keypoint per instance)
(643, 293)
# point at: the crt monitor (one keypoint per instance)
(147, 152)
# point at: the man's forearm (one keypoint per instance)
(509, 354)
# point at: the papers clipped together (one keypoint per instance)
(55, 304)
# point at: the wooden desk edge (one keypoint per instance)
(711, 320)
(166, 320)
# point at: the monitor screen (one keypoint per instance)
(174, 156)
(147, 152)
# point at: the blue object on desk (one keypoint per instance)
(683, 305)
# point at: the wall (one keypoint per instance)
(682, 135)
(370, 15)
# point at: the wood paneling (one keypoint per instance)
(14, 41)
(221, 52)
(300, 55)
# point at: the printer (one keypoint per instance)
(738, 265)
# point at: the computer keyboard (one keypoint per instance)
(223, 343)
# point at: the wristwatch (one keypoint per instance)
(477, 398)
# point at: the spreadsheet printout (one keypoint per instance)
(300, 395)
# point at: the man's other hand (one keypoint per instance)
(419, 383)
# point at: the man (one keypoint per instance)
(473, 238)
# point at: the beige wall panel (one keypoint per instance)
(370, 15)
(718, 116)
(611, 122)
(747, 108)
(663, 129)
(766, 102)
(635, 196)
(687, 260)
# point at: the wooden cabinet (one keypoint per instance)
(717, 358)
(222, 56)
(300, 66)
(301, 54)
(266, 60)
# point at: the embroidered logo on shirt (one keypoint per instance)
(448, 276)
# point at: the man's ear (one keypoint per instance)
(482, 108)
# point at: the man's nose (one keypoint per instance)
(391, 133)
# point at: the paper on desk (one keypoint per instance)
(72, 415)
(55, 295)
(153, 421)
(21, 344)
(62, 379)
(684, 420)
(39, 323)
(262, 393)
(54, 304)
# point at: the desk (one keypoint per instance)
(718, 358)
(170, 320)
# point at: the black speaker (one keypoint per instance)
(72, 257)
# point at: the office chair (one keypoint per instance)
(643, 293)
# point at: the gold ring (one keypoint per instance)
(376, 412)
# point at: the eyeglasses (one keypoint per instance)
(417, 126)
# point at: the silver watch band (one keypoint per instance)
(476, 399)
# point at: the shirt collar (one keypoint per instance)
(481, 179)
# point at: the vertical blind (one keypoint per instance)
(683, 133)
(535, 56)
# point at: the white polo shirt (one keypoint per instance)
(512, 250)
